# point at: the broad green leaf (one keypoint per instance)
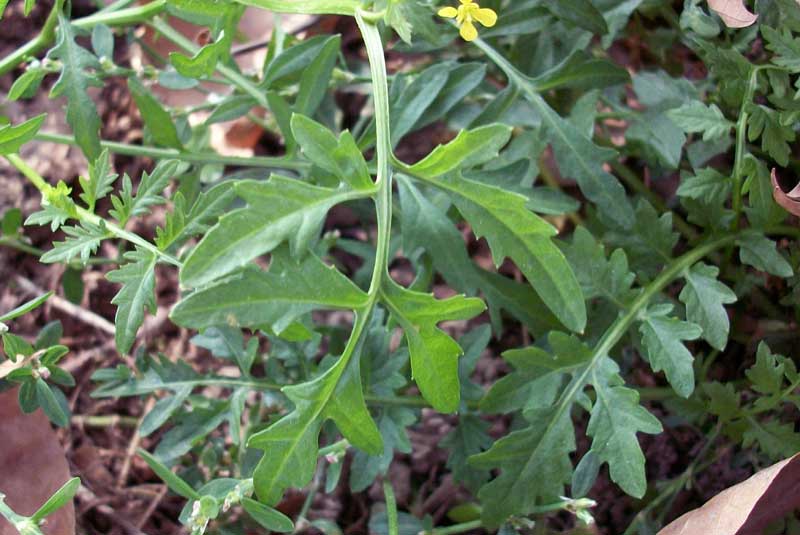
(277, 210)
(275, 298)
(514, 231)
(615, 420)
(27, 84)
(599, 276)
(534, 462)
(307, 7)
(434, 355)
(650, 242)
(74, 82)
(461, 80)
(82, 240)
(663, 337)
(705, 298)
(708, 185)
(174, 482)
(203, 63)
(13, 137)
(100, 181)
(267, 517)
(289, 65)
(50, 404)
(469, 148)
(292, 443)
(157, 119)
(59, 499)
(695, 117)
(758, 251)
(580, 13)
(138, 280)
(338, 156)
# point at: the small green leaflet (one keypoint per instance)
(269, 518)
(74, 82)
(157, 119)
(275, 298)
(514, 231)
(82, 240)
(708, 185)
(277, 210)
(767, 373)
(434, 355)
(291, 443)
(784, 45)
(59, 499)
(149, 193)
(138, 280)
(203, 63)
(616, 418)
(663, 337)
(13, 137)
(468, 149)
(695, 117)
(100, 181)
(338, 156)
(770, 125)
(758, 251)
(705, 298)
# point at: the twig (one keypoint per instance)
(134, 444)
(152, 507)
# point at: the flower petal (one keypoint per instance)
(448, 12)
(485, 16)
(465, 2)
(468, 31)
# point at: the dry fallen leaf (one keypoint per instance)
(733, 13)
(32, 466)
(786, 195)
(746, 508)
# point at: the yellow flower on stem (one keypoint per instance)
(467, 13)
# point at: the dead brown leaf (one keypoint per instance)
(733, 13)
(746, 508)
(32, 466)
(786, 195)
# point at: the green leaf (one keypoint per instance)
(416, 98)
(786, 47)
(469, 438)
(599, 276)
(650, 242)
(103, 41)
(775, 135)
(74, 83)
(138, 280)
(708, 185)
(277, 210)
(581, 71)
(291, 443)
(767, 373)
(148, 194)
(705, 298)
(268, 517)
(203, 63)
(157, 119)
(275, 298)
(205, 211)
(27, 84)
(580, 13)
(82, 240)
(316, 77)
(468, 149)
(59, 499)
(514, 231)
(175, 483)
(307, 7)
(50, 404)
(100, 181)
(338, 156)
(615, 420)
(663, 337)
(26, 307)
(434, 355)
(758, 251)
(776, 439)
(695, 117)
(659, 135)
(13, 137)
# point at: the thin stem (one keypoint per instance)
(87, 216)
(741, 138)
(107, 17)
(457, 528)
(158, 153)
(391, 506)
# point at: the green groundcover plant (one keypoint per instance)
(612, 274)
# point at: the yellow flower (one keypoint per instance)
(466, 13)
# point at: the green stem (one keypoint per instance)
(391, 506)
(741, 138)
(108, 17)
(457, 528)
(87, 216)
(157, 153)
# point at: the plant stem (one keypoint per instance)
(87, 216)
(107, 17)
(457, 528)
(741, 138)
(157, 153)
(391, 506)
